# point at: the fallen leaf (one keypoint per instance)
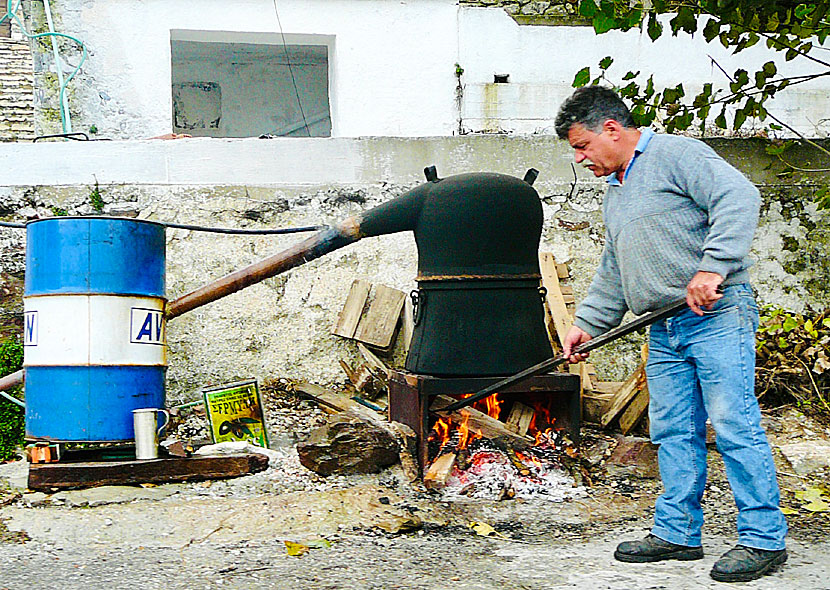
(295, 549)
(810, 495)
(817, 506)
(485, 530)
(318, 544)
(789, 511)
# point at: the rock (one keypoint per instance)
(104, 495)
(634, 456)
(35, 499)
(807, 457)
(14, 475)
(351, 442)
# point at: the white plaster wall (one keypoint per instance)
(392, 63)
(391, 68)
(542, 62)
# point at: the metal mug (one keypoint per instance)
(145, 422)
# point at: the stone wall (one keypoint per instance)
(535, 12)
(282, 326)
(17, 110)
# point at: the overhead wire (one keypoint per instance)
(202, 228)
(291, 70)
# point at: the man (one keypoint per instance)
(679, 223)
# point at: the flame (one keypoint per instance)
(454, 435)
(460, 435)
(529, 459)
(542, 420)
(493, 406)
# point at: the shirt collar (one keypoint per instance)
(642, 143)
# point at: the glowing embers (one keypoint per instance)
(465, 464)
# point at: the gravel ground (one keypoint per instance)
(233, 533)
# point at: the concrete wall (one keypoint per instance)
(281, 327)
(392, 65)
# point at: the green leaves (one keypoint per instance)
(654, 28)
(582, 77)
(684, 21)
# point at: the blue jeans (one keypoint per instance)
(701, 367)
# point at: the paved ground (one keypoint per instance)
(189, 536)
(382, 533)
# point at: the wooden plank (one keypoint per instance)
(520, 418)
(64, 476)
(489, 427)
(593, 403)
(349, 316)
(347, 368)
(638, 408)
(440, 470)
(329, 401)
(373, 360)
(592, 374)
(635, 411)
(378, 324)
(408, 324)
(622, 397)
(556, 303)
(611, 387)
(551, 329)
(562, 271)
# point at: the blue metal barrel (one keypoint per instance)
(94, 330)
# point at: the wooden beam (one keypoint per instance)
(479, 421)
(64, 476)
(373, 360)
(593, 404)
(638, 408)
(349, 316)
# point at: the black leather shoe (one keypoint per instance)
(655, 549)
(743, 564)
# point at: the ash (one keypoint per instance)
(492, 476)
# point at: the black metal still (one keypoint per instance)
(478, 307)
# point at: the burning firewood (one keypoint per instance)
(440, 470)
(520, 418)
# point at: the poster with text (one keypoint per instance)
(234, 413)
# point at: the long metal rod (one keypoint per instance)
(618, 332)
(12, 380)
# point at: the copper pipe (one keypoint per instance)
(305, 251)
(10, 381)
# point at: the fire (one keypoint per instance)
(457, 435)
(493, 405)
(451, 434)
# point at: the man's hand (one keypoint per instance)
(701, 292)
(574, 338)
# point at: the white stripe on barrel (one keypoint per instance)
(66, 330)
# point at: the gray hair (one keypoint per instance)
(591, 106)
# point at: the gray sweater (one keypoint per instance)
(682, 209)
